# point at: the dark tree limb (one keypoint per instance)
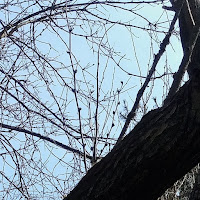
(45, 138)
(164, 145)
(161, 149)
(186, 61)
(140, 93)
(189, 23)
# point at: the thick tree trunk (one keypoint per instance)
(163, 147)
(188, 19)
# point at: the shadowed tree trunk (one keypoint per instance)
(163, 147)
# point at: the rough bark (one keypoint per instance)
(163, 147)
(189, 18)
(195, 194)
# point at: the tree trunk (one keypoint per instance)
(163, 147)
(195, 194)
(188, 19)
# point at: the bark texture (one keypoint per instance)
(188, 19)
(163, 147)
(195, 194)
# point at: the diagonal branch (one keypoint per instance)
(161, 148)
(34, 98)
(163, 46)
(18, 129)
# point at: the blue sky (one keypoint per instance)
(123, 56)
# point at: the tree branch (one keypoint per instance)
(178, 76)
(162, 147)
(18, 129)
(163, 46)
(10, 28)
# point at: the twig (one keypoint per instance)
(190, 12)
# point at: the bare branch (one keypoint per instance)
(163, 46)
(15, 128)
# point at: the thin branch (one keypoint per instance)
(37, 100)
(15, 186)
(190, 12)
(21, 22)
(75, 90)
(117, 22)
(38, 113)
(14, 128)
